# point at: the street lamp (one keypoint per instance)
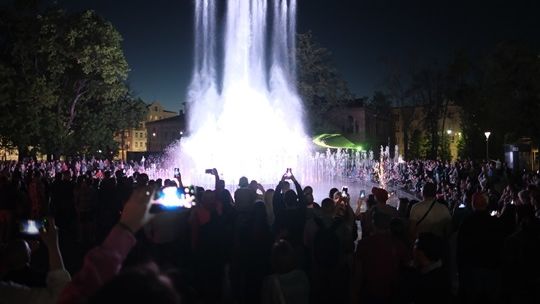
(487, 134)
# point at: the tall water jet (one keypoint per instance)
(249, 121)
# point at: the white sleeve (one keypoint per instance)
(14, 293)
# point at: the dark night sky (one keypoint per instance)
(361, 34)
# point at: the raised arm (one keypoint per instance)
(300, 192)
(277, 200)
(103, 262)
(179, 180)
(49, 236)
(57, 277)
(219, 185)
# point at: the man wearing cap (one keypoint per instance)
(430, 215)
(381, 196)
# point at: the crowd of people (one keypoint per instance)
(472, 237)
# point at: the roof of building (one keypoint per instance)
(179, 118)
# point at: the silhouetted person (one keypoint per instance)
(288, 284)
(431, 284)
(479, 244)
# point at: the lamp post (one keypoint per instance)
(487, 134)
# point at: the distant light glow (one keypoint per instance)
(322, 140)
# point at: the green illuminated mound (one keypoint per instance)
(335, 141)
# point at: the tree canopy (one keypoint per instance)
(319, 84)
(498, 92)
(63, 82)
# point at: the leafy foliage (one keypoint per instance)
(319, 84)
(63, 81)
(501, 95)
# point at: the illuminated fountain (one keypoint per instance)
(245, 116)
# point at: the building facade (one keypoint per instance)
(162, 133)
(415, 118)
(363, 125)
(135, 140)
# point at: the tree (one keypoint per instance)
(319, 84)
(398, 85)
(65, 79)
(428, 88)
(416, 145)
(381, 103)
(502, 95)
(97, 126)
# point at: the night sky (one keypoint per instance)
(362, 36)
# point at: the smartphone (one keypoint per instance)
(344, 191)
(176, 172)
(32, 227)
(172, 198)
(363, 194)
(288, 173)
(493, 213)
(209, 171)
(461, 205)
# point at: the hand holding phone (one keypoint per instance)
(176, 172)
(31, 227)
(49, 233)
(363, 194)
(288, 173)
(136, 210)
(345, 191)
